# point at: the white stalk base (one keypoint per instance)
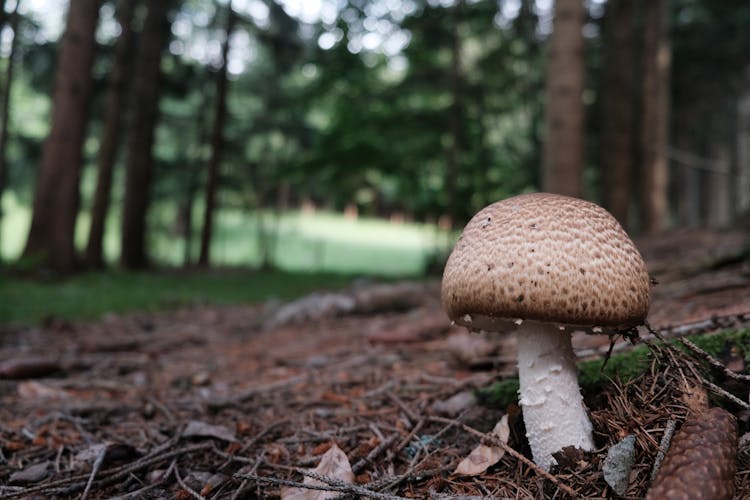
(553, 409)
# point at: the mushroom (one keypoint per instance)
(543, 265)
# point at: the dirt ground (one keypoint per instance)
(246, 401)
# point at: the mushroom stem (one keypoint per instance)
(553, 409)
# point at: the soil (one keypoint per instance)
(231, 402)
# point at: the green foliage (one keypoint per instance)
(354, 125)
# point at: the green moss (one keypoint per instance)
(621, 367)
(719, 343)
(500, 394)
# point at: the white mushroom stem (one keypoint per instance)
(553, 409)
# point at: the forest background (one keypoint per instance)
(355, 136)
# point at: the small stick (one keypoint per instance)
(262, 433)
(187, 488)
(162, 408)
(715, 363)
(331, 485)
(407, 411)
(357, 467)
(663, 446)
(410, 436)
(94, 471)
(721, 392)
(137, 493)
(510, 451)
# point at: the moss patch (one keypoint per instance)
(621, 367)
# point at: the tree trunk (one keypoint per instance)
(562, 170)
(617, 109)
(456, 111)
(140, 156)
(743, 154)
(655, 115)
(217, 145)
(56, 198)
(689, 200)
(3, 15)
(718, 199)
(111, 134)
(5, 110)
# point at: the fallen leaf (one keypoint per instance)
(197, 428)
(455, 404)
(321, 448)
(31, 474)
(468, 347)
(212, 483)
(113, 452)
(335, 465)
(37, 390)
(483, 457)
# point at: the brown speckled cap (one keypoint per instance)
(546, 257)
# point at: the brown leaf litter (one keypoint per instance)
(233, 402)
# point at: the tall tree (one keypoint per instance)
(5, 110)
(456, 111)
(616, 157)
(655, 115)
(562, 168)
(118, 83)
(139, 155)
(217, 143)
(56, 197)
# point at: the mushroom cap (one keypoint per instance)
(545, 257)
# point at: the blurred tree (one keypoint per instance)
(617, 109)
(562, 170)
(456, 110)
(140, 159)
(709, 82)
(112, 131)
(654, 126)
(5, 108)
(56, 197)
(217, 142)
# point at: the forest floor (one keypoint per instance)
(367, 392)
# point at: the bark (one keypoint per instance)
(562, 170)
(718, 199)
(5, 117)
(186, 222)
(689, 200)
(110, 141)
(140, 156)
(743, 154)
(617, 109)
(655, 115)
(217, 145)
(56, 197)
(3, 15)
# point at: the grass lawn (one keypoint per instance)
(311, 250)
(307, 242)
(24, 301)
